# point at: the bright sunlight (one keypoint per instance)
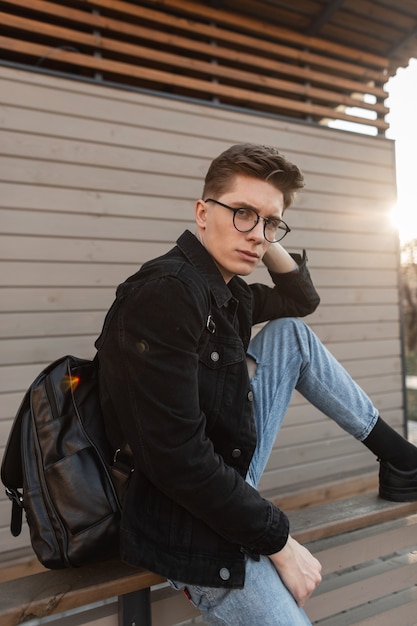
(402, 89)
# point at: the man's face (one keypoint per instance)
(235, 252)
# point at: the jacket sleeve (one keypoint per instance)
(293, 294)
(150, 362)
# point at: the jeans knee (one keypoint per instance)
(289, 335)
(285, 325)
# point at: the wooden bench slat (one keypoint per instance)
(337, 487)
(341, 551)
(357, 512)
(51, 592)
(392, 609)
(360, 586)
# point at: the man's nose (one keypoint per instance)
(258, 231)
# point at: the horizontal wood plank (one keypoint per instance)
(99, 153)
(363, 586)
(47, 348)
(164, 116)
(398, 608)
(316, 470)
(55, 592)
(340, 552)
(21, 325)
(14, 299)
(326, 520)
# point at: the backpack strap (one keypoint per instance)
(11, 468)
(121, 470)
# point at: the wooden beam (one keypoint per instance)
(322, 19)
(234, 94)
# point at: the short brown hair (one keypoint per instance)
(255, 161)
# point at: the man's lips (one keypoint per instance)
(247, 254)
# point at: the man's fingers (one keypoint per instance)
(300, 571)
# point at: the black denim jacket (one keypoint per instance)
(174, 383)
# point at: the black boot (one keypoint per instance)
(397, 485)
(398, 463)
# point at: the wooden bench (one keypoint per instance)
(369, 562)
(364, 543)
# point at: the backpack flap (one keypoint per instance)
(11, 469)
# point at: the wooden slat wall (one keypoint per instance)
(194, 50)
(94, 181)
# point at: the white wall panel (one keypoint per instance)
(94, 181)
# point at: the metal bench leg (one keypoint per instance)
(135, 608)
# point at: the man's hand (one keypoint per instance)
(278, 260)
(298, 568)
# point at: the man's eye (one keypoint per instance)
(274, 223)
(246, 214)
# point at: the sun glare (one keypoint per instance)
(402, 102)
(404, 221)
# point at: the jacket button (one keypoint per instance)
(236, 453)
(214, 356)
(224, 573)
(250, 396)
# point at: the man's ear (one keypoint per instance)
(200, 212)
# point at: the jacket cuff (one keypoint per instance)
(275, 537)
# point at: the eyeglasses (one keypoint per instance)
(245, 220)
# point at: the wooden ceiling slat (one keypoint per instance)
(360, 39)
(234, 94)
(358, 25)
(192, 48)
(183, 62)
(283, 15)
(234, 19)
(389, 16)
(406, 41)
(382, 18)
(241, 41)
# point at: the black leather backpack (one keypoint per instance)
(61, 470)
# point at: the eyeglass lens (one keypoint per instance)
(246, 219)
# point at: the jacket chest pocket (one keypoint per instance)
(222, 363)
(218, 354)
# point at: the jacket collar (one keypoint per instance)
(198, 256)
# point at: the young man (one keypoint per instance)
(200, 403)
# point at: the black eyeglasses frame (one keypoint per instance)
(282, 225)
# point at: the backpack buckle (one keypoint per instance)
(17, 511)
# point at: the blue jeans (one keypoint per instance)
(288, 356)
